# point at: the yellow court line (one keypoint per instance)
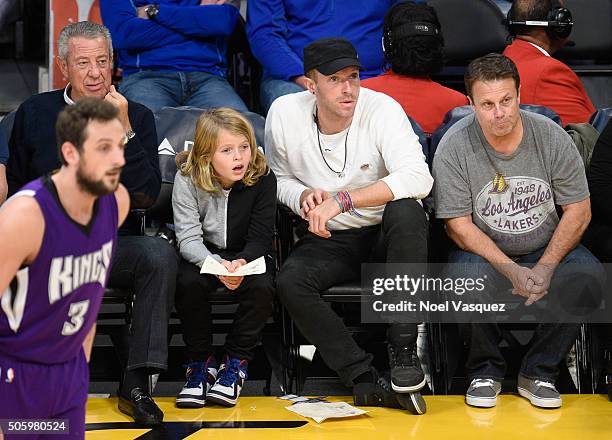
(581, 417)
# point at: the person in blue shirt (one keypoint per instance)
(173, 53)
(278, 31)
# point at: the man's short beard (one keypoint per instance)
(96, 188)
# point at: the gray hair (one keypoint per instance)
(85, 29)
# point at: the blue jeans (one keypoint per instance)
(272, 88)
(174, 89)
(550, 342)
(146, 266)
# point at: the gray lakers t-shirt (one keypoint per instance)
(511, 197)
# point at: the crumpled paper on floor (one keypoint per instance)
(321, 410)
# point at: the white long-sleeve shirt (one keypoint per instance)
(381, 145)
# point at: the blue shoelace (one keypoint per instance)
(195, 374)
(229, 375)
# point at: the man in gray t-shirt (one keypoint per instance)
(499, 175)
(510, 197)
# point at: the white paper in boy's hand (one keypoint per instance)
(213, 267)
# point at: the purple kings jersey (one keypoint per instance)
(50, 305)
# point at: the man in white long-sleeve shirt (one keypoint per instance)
(348, 161)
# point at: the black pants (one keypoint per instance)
(148, 266)
(255, 302)
(318, 263)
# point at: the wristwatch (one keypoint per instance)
(152, 11)
(130, 134)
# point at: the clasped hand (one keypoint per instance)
(232, 282)
(318, 207)
(532, 284)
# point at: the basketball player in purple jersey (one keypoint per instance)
(57, 237)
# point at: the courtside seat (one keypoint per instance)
(451, 117)
(591, 55)
(592, 31)
(175, 132)
(471, 28)
(544, 111)
(423, 139)
(600, 118)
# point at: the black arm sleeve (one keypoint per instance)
(141, 175)
(261, 227)
(20, 156)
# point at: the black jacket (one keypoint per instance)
(33, 149)
(34, 152)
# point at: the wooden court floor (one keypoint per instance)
(581, 417)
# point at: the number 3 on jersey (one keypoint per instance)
(76, 314)
(14, 299)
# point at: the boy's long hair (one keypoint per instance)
(197, 163)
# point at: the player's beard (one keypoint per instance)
(94, 187)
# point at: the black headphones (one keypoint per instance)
(417, 28)
(558, 22)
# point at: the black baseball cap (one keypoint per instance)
(329, 55)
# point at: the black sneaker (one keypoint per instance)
(412, 402)
(406, 373)
(141, 407)
(377, 393)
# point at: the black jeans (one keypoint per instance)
(148, 266)
(255, 302)
(317, 264)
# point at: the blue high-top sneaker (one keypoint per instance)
(231, 377)
(200, 378)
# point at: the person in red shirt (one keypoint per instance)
(545, 80)
(413, 44)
